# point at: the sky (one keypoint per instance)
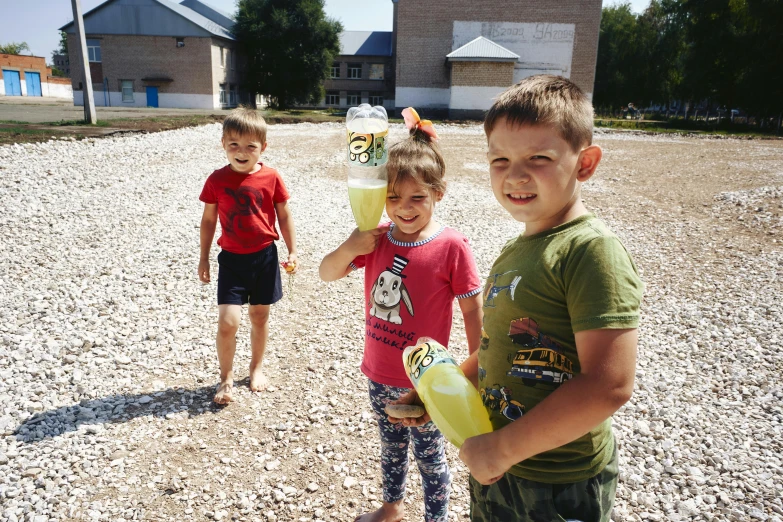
(37, 21)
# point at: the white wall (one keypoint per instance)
(473, 98)
(542, 47)
(57, 90)
(165, 100)
(423, 97)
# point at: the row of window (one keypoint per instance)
(228, 95)
(352, 98)
(355, 71)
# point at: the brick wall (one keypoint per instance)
(20, 62)
(131, 57)
(482, 74)
(424, 39)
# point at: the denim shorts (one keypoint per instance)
(249, 278)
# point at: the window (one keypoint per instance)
(222, 57)
(376, 100)
(353, 98)
(232, 96)
(355, 71)
(335, 72)
(180, 42)
(233, 60)
(127, 90)
(223, 100)
(332, 98)
(376, 71)
(93, 50)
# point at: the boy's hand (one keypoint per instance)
(410, 398)
(203, 270)
(480, 455)
(361, 243)
(291, 265)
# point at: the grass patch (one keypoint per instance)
(22, 134)
(680, 127)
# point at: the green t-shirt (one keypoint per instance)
(541, 290)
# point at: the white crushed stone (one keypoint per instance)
(107, 360)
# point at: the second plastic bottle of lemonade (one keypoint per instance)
(449, 397)
(368, 128)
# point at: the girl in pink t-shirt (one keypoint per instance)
(413, 270)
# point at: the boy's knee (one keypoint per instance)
(258, 314)
(228, 325)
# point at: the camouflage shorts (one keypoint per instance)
(515, 499)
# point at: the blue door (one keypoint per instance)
(13, 87)
(33, 83)
(152, 96)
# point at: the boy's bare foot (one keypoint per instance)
(258, 381)
(388, 513)
(224, 393)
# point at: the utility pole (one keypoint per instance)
(89, 102)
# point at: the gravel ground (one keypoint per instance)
(107, 360)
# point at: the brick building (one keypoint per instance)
(442, 66)
(158, 53)
(29, 76)
(363, 72)
(62, 62)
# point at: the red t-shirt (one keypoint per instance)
(409, 291)
(246, 207)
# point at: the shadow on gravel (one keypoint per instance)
(91, 414)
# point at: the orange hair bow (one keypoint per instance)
(412, 121)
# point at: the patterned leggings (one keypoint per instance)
(428, 448)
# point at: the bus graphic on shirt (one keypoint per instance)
(541, 359)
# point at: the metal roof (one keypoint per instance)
(482, 49)
(366, 43)
(216, 23)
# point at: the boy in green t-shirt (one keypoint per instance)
(561, 307)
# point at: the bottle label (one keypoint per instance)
(423, 357)
(367, 150)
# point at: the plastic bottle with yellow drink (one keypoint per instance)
(450, 398)
(368, 128)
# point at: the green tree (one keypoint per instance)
(63, 48)
(617, 57)
(14, 48)
(660, 52)
(289, 46)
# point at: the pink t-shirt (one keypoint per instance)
(409, 291)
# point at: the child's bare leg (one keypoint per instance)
(259, 332)
(389, 512)
(228, 324)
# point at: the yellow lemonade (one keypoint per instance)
(368, 198)
(453, 403)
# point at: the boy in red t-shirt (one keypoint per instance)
(247, 197)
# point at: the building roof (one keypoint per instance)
(197, 13)
(366, 43)
(482, 50)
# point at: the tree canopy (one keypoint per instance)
(14, 48)
(63, 48)
(289, 46)
(727, 53)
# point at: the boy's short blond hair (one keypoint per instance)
(545, 99)
(245, 121)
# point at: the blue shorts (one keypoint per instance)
(249, 278)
